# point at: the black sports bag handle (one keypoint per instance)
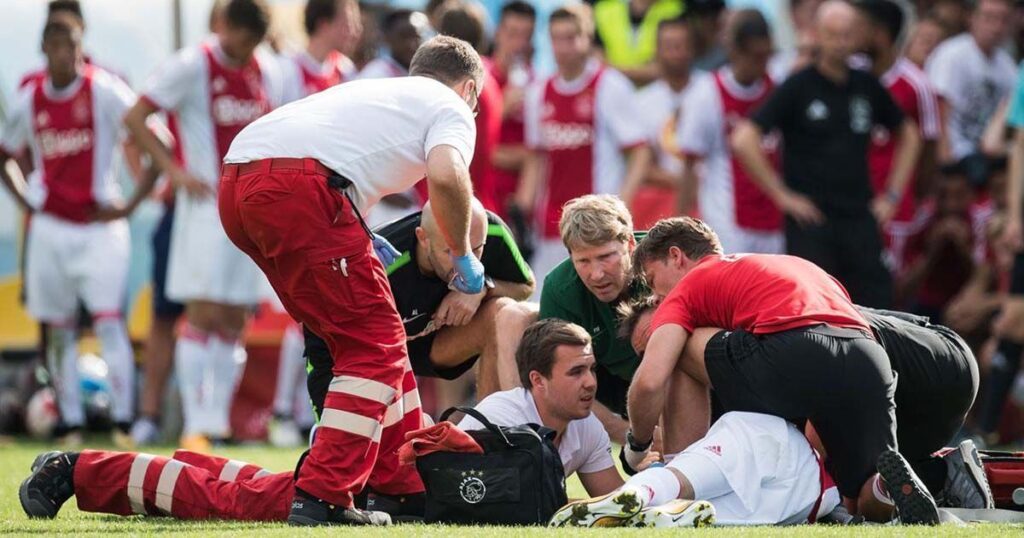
(480, 418)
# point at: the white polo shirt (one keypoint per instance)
(585, 446)
(376, 133)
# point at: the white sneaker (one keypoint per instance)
(612, 510)
(284, 433)
(145, 432)
(676, 513)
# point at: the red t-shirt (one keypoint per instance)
(759, 293)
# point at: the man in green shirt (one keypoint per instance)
(585, 289)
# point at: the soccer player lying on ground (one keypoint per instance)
(957, 477)
(556, 364)
(938, 374)
(446, 330)
(793, 346)
(598, 234)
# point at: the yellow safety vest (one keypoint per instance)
(622, 46)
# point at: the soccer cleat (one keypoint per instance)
(49, 486)
(612, 510)
(196, 442)
(309, 512)
(676, 513)
(966, 484)
(914, 504)
(43, 458)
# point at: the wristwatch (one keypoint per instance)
(636, 446)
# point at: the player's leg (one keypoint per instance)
(291, 386)
(223, 468)
(227, 363)
(513, 319)
(457, 348)
(103, 278)
(52, 298)
(129, 483)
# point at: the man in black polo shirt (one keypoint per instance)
(446, 330)
(825, 114)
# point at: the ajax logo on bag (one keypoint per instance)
(472, 489)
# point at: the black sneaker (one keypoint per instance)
(402, 508)
(914, 504)
(49, 486)
(309, 512)
(42, 458)
(966, 484)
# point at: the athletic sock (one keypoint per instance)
(661, 484)
(62, 361)
(191, 355)
(117, 351)
(291, 370)
(1005, 365)
(227, 359)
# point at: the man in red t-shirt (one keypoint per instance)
(787, 342)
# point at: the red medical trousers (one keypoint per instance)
(187, 486)
(308, 240)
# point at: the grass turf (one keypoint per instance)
(16, 457)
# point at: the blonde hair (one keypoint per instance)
(595, 219)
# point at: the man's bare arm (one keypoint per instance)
(648, 390)
(746, 145)
(450, 192)
(14, 180)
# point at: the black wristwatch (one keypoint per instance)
(636, 446)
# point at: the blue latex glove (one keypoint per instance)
(469, 274)
(386, 253)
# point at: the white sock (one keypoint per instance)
(659, 482)
(227, 358)
(291, 368)
(191, 358)
(707, 479)
(117, 351)
(62, 361)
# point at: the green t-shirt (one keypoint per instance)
(566, 297)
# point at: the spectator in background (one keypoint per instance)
(333, 28)
(1009, 326)
(466, 22)
(706, 24)
(728, 200)
(626, 31)
(952, 15)
(925, 35)
(218, 283)
(370, 38)
(582, 132)
(785, 62)
(912, 92)
(403, 31)
(972, 75)
(660, 104)
(509, 65)
(950, 241)
(825, 114)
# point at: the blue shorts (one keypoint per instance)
(162, 306)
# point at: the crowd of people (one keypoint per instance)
(877, 164)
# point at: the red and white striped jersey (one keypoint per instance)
(711, 110)
(913, 93)
(582, 126)
(73, 134)
(304, 75)
(213, 100)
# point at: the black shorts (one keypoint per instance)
(1017, 277)
(934, 394)
(611, 391)
(839, 379)
(419, 356)
(162, 306)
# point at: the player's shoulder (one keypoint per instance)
(949, 49)
(613, 80)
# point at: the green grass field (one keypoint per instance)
(15, 459)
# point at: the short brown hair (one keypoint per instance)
(579, 14)
(448, 60)
(252, 15)
(465, 22)
(540, 341)
(692, 236)
(595, 219)
(630, 312)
